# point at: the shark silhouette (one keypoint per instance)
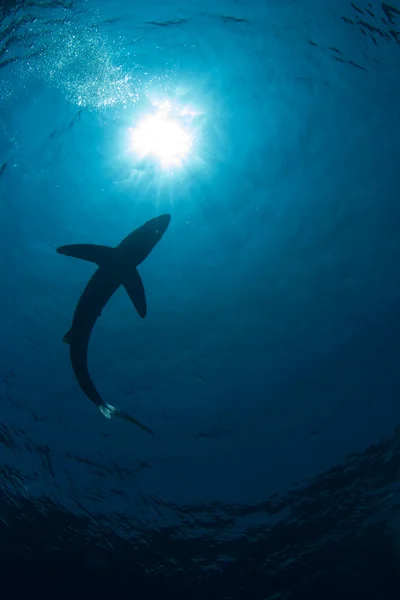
(116, 267)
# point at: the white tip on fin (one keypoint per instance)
(107, 410)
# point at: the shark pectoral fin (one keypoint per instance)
(91, 252)
(135, 290)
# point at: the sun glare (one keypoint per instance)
(166, 135)
(163, 138)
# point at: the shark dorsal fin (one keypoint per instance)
(91, 252)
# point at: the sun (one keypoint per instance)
(161, 137)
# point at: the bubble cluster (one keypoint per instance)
(71, 51)
(80, 61)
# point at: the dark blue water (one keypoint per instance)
(268, 363)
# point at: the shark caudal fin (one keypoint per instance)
(107, 410)
(90, 252)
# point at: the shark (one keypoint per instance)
(117, 266)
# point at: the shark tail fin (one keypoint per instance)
(107, 410)
(90, 252)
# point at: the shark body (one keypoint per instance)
(116, 267)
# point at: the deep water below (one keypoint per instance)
(267, 364)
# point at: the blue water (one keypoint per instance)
(268, 363)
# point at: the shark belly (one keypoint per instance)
(78, 354)
(94, 298)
